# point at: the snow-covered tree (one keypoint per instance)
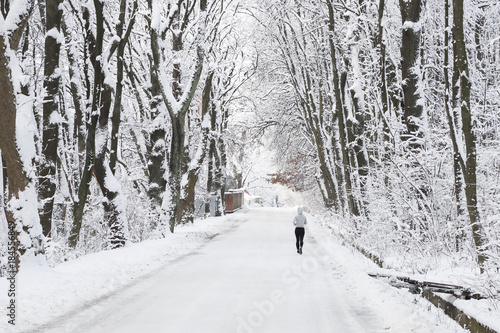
(16, 138)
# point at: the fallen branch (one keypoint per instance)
(428, 291)
(417, 287)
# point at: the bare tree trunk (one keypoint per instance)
(113, 211)
(179, 154)
(50, 131)
(124, 36)
(95, 49)
(410, 51)
(206, 102)
(13, 168)
(156, 144)
(185, 206)
(359, 151)
(458, 162)
(324, 159)
(96, 155)
(114, 214)
(79, 117)
(221, 159)
(340, 112)
(461, 75)
(217, 154)
(384, 93)
(28, 235)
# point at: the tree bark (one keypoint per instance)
(216, 154)
(13, 168)
(94, 45)
(96, 155)
(50, 131)
(458, 161)
(124, 36)
(461, 75)
(384, 92)
(360, 157)
(28, 235)
(157, 139)
(340, 113)
(79, 117)
(410, 51)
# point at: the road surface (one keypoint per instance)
(250, 279)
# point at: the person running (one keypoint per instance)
(299, 222)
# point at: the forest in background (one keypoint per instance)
(115, 116)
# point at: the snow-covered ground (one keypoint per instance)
(238, 273)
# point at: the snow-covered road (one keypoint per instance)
(249, 279)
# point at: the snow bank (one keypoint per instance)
(44, 294)
(402, 310)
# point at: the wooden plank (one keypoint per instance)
(456, 314)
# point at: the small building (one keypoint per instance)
(233, 200)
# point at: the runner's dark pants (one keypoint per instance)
(299, 236)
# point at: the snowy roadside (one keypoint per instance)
(402, 311)
(45, 294)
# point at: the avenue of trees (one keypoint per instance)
(393, 110)
(115, 116)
